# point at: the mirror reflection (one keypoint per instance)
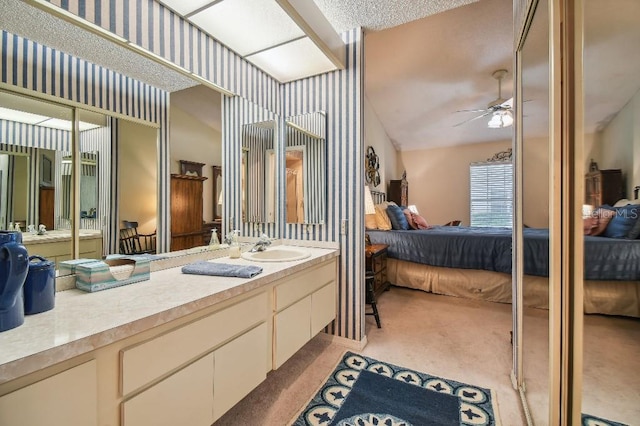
(258, 179)
(305, 168)
(535, 214)
(611, 343)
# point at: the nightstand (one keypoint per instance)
(376, 261)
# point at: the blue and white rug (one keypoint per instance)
(588, 420)
(363, 391)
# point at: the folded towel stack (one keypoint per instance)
(221, 269)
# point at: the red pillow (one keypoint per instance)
(420, 222)
(590, 224)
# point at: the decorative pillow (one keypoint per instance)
(370, 221)
(398, 221)
(420, 221)
(382, 219)
(603, 216)
(622, 222)
(407, 215)
(590, 223)
(634, 234)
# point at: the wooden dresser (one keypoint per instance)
(186, 211)
(603, 187)
(398, 191)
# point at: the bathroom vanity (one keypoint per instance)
(56, 245)
(177, 349)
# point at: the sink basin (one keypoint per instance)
(276, 254)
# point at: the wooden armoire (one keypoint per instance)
(398, 191)
(186, 211)
(603, 187)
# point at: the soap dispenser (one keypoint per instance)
(234, 247)
(214, 242)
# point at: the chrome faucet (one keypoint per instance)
(262, 244)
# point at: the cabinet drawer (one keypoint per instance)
(184, 398)
(68, 398)
(323, 308)
(300, 285)
(292, 330)
(147, 361)
(378, 262)
(240, 366)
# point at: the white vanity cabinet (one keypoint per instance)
(199, 371)
(303, 305)
(43, 403)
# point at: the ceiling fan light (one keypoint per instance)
(500, 119)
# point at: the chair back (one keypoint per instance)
(132, 242)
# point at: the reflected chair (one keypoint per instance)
(132, 242)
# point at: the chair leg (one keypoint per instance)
(371, 300)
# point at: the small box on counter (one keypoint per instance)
(113, 272)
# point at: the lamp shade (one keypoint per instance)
(369, 207)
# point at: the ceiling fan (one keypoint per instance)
(500, 109)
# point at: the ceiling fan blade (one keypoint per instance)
(474, 118)
(471, 110)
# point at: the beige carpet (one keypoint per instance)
(463, 340)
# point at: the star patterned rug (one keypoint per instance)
(362, 391)
(588, 420)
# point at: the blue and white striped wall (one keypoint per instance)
(31, 66)
(157, 29)
(340, 94)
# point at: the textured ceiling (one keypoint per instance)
(27, 21)
(419, 74)
(381, 14)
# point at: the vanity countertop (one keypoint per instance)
(82, 322)
(58, 235)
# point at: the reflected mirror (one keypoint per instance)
(534, 353)
(258, 181)
(305, 168)
(611, 84)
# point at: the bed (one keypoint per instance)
(476, 263)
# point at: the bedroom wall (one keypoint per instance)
(439, 180)
(193, 140)
(376, 136)
(620, 144)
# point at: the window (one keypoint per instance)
(491, 190)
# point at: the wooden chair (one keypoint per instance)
(132, 242)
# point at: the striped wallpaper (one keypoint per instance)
(256, 141)
(340, 95)
(38, 68)
(155, 28)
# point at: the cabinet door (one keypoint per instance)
(184, 398)
(323, 307)
(240, 366)
(68, 398)
(292, 330)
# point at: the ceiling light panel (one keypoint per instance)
(247, 26)
(285, 64)
(185, 7)
(20, 116)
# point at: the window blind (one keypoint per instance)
(491, 190)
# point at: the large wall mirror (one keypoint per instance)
(259, 141)
(305, 168)
(534, 145)
(611, 84)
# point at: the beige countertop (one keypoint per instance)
(82, 322)
(58, 235)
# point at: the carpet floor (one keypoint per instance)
(463, 340)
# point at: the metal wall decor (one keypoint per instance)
(372, 165)
(502, 156)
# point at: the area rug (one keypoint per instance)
(362, 391)
(588, 420)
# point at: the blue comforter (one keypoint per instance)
(490, 249)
